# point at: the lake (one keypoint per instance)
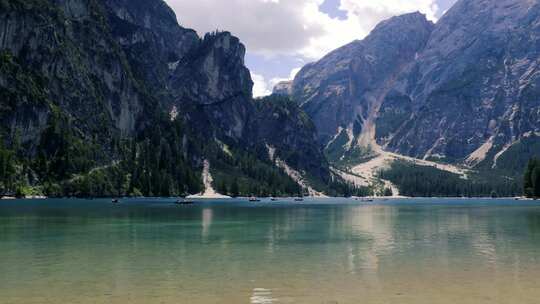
(317, 251)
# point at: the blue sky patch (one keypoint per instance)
(331, 8)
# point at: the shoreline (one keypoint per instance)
(225, 197)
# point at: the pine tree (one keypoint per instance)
(535, 179)
(528, 189)
(7, 170)
(235, 191)
(222, 187)
(531, 179)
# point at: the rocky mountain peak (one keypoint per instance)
(227, 44)
(214, 71)
(283, 88)
(463, 90)
(411, 21)
(473, 19)
(471, 82)
(342, 91)
(147, 14)
(83, 82)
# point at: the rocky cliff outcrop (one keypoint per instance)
(461, 91)
(152, 40)
(283, 88)
(473, 89)
(290, 135)
(59, 58)
(214, 87)
(343, 91)
(84, 83)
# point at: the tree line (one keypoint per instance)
(531, 180)
(422, 181)
(158, 161)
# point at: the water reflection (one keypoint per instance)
(300, 253)
(262, 296)
(207, 215)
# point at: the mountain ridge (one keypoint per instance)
(457, 95)
(115, 98)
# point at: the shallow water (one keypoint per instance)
(321, 251)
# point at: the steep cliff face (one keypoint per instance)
(117, 88)
(214, 87)
(343, 91)
(152, 40)
(462, 91)
(60, 59)
(283, 88)
(204, 80)
(290, 135)
(474, 89)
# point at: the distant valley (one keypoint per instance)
(459, 96)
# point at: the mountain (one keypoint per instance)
(459, 95)
(343, 91)
(283, 88)
(290, 135)
(473, 89)
(114, 97)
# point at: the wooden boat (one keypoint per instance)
(183, 201)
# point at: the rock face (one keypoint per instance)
(280, 125)
(461, 91)
(343, 91)
(205, 79)
(149, 35)
(59, 59)
(474, 88)
(213, 85)
(109, 71)
(283, 88)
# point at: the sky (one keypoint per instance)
(281, 36)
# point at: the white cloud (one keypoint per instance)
(362, 17)
(385, 8)
(277, 80)
(266, 27)
(260, 86)
(293, 27)
(263, 87)
(294, 72)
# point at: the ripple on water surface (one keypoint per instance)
(317, 251)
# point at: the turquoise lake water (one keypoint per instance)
(317, 251)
